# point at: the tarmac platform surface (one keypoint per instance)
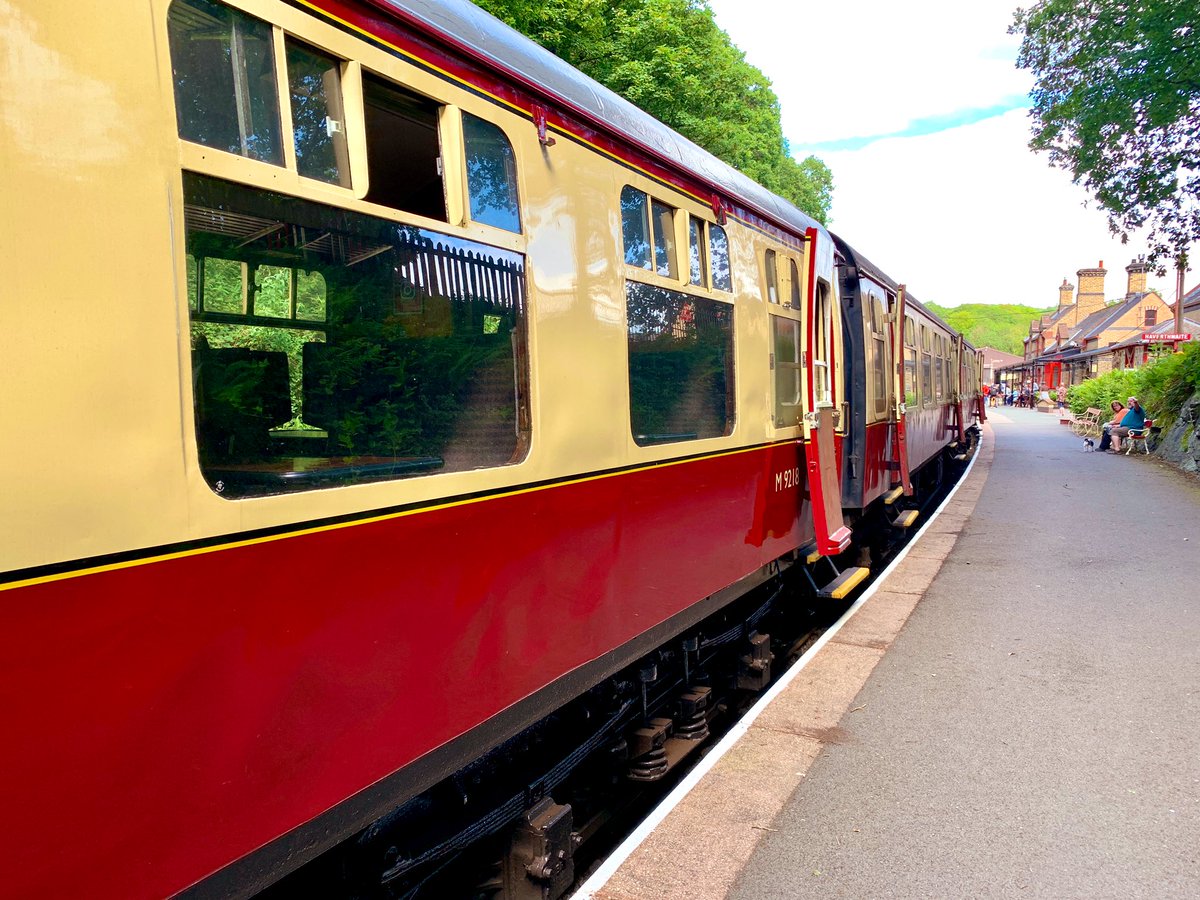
(1014, 712)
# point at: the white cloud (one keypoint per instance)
(966, 214)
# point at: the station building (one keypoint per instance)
(1087, 336)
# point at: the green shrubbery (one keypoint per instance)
(1162, 386)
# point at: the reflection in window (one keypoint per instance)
(680, 365)
(371, 350)
(794, 301)
(718, 244)
(696, 252)
(663, 218)
(318, 124)
(223, 66)
(879, 342)
(822, 330)
(786, 333)
(910, 362)
(491, 175)
(634, 228)
(771, 274)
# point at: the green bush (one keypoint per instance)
(1163, 386)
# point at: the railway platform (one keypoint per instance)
(1012, 711)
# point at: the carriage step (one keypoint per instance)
(893, 495)
(813, 556)
(953, 444)
(906, 518)
(844, 583)
(960, 457)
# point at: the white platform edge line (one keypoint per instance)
(608, 868)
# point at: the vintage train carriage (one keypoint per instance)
(360, 355)
(901, 416)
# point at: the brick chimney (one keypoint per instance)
(1066, 295)
(1137, 270)
(1091, 292)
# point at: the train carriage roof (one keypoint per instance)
(876, 274)
(485, 37)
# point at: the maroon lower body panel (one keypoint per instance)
(165, 719)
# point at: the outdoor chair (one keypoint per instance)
(1089, 422)
(1137, 437)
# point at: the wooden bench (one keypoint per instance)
(1089, 422)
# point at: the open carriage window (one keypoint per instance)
(403, 149)
(223, 67)
(331, 347)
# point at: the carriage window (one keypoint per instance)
(879, 344)
(718, 243)
(771, 274)
(926, 368)
(491, 175)
(648, 229)
(223, 66)
(663, 218)
(822, 327)
(910, 362)
(786, 334)
(403, 150)
(696, 252)
(681, 385)
(635, 227)
(795, 302)
(318, 123)
(331, 347)
(939, 368)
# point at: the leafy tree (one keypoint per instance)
(670, 58)
(1003, 325)
(1116, 104)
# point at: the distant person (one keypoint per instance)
(1133, 420)
(1118, 413)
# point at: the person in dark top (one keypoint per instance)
(1118, 413)
(1133, 420)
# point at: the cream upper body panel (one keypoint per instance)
(99, 412)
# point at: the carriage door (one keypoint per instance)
(820, 421)
(902, 337)
(957, 399)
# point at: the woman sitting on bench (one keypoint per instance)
(1133, 420)
(1118, 409)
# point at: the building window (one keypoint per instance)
(681, 384)
(1151, 318)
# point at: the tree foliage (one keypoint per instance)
(669, 58)
(1002, 326)
(1117, 104)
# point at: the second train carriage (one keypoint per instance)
(376, 359)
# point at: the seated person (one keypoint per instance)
(1134, 420)
(1118, 409)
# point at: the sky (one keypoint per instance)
(921, 114)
